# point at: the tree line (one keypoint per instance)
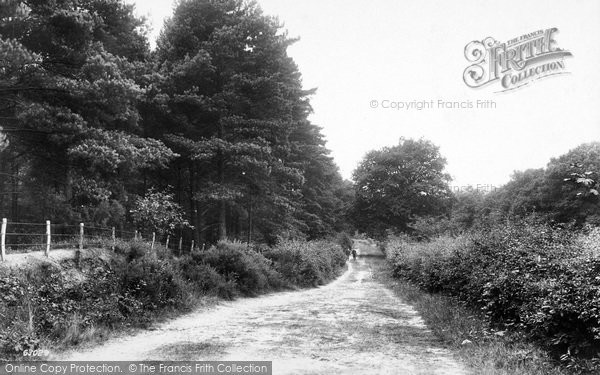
(405, 189)
(209, 130)
(208, 134)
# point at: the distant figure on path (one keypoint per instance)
(354, 254)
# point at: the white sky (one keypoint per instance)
(356, 51)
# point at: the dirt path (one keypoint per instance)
(354, 325)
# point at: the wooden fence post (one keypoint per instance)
(48, 237)
(167, 243)
(81, 236)
(180, 244)
(114, 239)
(153, 240)
(3, 240)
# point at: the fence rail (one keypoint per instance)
(17, 237)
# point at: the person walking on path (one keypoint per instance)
(354, 254)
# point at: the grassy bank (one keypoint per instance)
(529, 283)
(487, 351)
(73, 301)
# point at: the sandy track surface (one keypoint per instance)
(355, 325)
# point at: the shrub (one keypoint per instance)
(251, 271)
(15, 334)
(530, 277)
(137, 250)
(307, 263)
(343, 239)
(49, 304)
(589, 242)
(204, 278)
(158, 212)
(152, 282)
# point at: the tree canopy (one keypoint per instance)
(565, 191)
(93, 120)
(396, 184)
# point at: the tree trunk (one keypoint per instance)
(222, 203)
(250, 213)
(15, 192)
(238, 227)
(3, 177)
(222, 220)
(201, 225)
(193, 204)
(69, 185)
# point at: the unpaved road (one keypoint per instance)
(355, 325)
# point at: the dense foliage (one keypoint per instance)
(92, 121)
(528, 277)
(565, 193)
(307, 263)
(395, 184)
(525, 254)
(66, 304)
(157, 212)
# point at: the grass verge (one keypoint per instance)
(486, 351)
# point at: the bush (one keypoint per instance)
(44, 304)
(530, 277)
(69, 304)
(204, 278)
(137, 250)
(121, 246)
(152, 282)
(14, 333)
(66, 308)
(251, 271)
(345, 241)
(307, 263)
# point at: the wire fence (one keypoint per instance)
(17, 237)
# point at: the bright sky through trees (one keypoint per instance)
(356, 52)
